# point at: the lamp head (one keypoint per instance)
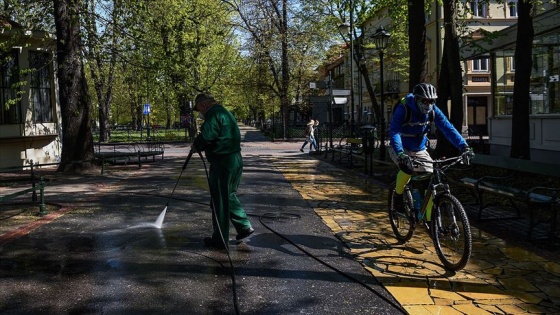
(381, 38)
(344, 28)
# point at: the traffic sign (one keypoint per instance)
(146, 109)
(318, 85)
(340, 92)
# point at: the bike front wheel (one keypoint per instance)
(451, 232)
(402, 221)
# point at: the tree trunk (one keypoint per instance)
(369, 87)
(98, 67)
(75, 103)
(285, 102)
(520, 131)
(450, 86)
(417, 43)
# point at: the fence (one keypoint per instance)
(35, 185)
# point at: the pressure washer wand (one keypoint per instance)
(181, 174)
(188, 158)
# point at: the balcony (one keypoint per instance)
(391, 87)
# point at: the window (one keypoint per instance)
(480, 65)
(512, 64)
(478, 8)
(10, 112)
(40, 87)
(512, 5)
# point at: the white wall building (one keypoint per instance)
(544, 119)
(487, 108)
(30, 124)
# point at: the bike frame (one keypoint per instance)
(435, 187)
(447, 225)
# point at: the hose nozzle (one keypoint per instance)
(193, 150)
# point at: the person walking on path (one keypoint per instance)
(309, 136)
(220, 139)
(408, 132)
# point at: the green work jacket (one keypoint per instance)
(219, 134)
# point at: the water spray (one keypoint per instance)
(159, 221)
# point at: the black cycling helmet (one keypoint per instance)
(425, 90)
(425, 95)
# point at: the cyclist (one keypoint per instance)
(408, 135)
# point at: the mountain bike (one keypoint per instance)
(446, 222)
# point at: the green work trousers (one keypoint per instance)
(225, 175)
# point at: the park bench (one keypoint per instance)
(151, 149)
(514, 186)
(129, 152)
(349, 150)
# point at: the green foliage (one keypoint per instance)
(163, 59)
(30, 14)
(397, 52)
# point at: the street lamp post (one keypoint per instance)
(330, 114)
(381, 39)
(349, 29)
(273, 123)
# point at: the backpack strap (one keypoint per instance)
(406, 110)
(407, 115)
(428, 122)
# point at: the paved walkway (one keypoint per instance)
(84, 261)
(499, 279)
(103, 253)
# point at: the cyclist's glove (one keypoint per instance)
(468, 155)
(405, 163)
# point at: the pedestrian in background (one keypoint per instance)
(220, 139)
(309, 137)
(315, 126)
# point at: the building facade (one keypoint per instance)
(488, 75)
(544, 119)
(30, 114)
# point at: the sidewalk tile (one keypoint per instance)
(471, 309)
(410, 293)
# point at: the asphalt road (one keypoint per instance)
(104, 255)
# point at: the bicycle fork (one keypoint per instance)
(451, 227)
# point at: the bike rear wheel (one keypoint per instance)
(451, 232)
(402, 221)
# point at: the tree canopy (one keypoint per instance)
(255, 56)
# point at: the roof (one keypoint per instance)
(543, 23)
(7, 23)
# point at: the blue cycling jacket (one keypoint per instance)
(412, 136)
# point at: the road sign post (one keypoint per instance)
(147, 111)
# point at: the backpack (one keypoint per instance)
(407, 113)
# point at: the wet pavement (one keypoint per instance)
(101, 253)
(323, 245)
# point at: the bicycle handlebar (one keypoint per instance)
(465, 158)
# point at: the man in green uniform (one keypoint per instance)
(220, 139)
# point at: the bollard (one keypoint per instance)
(34, 193)
(42, 206)
(554, 224)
